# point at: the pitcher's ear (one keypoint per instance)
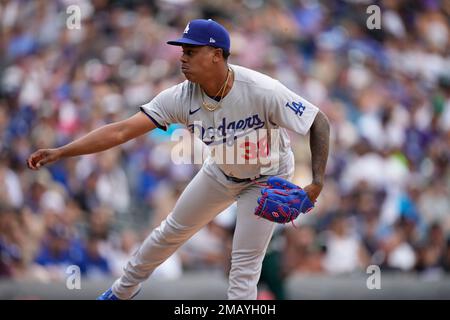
(217, 55)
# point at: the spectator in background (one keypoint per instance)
(10, 189)
(120, 251)
(431, 253)
(112, 185)
(434, 204)
(93, 264)
(345, 252)
(11, 243)
(59, 250)
(205, 250)
(87, 196)
(446, 257)
(303, 251)
(398, 249)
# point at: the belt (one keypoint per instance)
(234, 179)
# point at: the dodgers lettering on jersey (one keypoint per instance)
(257, 106)
(227, 130)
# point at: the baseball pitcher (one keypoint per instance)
(242, 115)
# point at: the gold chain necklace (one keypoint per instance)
(210, 106)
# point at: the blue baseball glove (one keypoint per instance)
(282, 201)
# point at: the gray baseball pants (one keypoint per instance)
(208, 194)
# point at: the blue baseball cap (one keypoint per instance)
(201, 32)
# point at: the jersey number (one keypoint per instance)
(253, 150)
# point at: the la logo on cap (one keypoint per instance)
(186, 30)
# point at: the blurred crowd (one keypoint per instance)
(386, 199)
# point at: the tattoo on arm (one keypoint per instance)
(319, 141)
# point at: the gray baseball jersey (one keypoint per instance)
(255, 103)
